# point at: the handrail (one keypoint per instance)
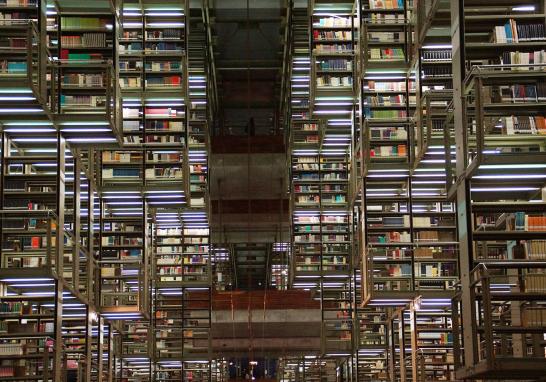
(18, 213)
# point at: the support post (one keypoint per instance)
(462, 183)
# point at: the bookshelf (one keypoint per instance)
(435, 67)
(198, 178)
(124, 259)
(280, 258)
(386, 33)
(88, 97)
(372, 348)
(31, 322)
(131, 48)
(500, 92)
(320, 142)
(332, 50)
(522, 318)
(87, 197)
(432, 335)
(170, 266)
(400, 366)
(300, 70)
(44, 259)
(321, 228)
(222, 267)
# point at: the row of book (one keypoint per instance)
(525, 222)
(334, 22)
(130, 82)
(84, 22)
(5, 17)
(119, 240)
(385, 18)
(333, 188)
(390, 237)
(164, 46)
(120, 227)
(333, 166)
(121, 157)
(306, 159)
(67, 55)
(386, 100)
(524, 58)
(306, 127)
(386, 37)
(389, 221)
(14, 42)
(534, 282)
(15, 307)
(167, 81)
(131, 35)
(166, 270)
(113, 254)
(335, 81)
(334, 199)
(523, 125)
(164, 173)
(394, 86)
(83, 100)
(332, 35)
(420, 270)
(385, 114)
(165, 33)
(333, 48)
(514, 32)
(307, 199)
(85, 40)
(386, 54)
(83, 79)
(163, 112)
(111, 173)
(437, 71)
(332, 65)
(169, 240)
(434, 236)
(386, 4)
(388, 133)
(534, 317)
(165, 139)
(155, 157)
(18, 3)
(29, 262)
(12, 67)
(522, 93)
(432, 221)
(168, 232)
(308, 139)
(334, 176)
(160, 66)
(306, 167)
(439, 269)
(435, 55)
(135, 47)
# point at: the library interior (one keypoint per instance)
(272, 190)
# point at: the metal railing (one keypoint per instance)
(509, 315)
(485, 105)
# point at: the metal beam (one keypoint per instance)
(462, 186)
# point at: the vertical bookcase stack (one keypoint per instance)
(86, 208)
(387, 91)
(500, 164)
(322, 116)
